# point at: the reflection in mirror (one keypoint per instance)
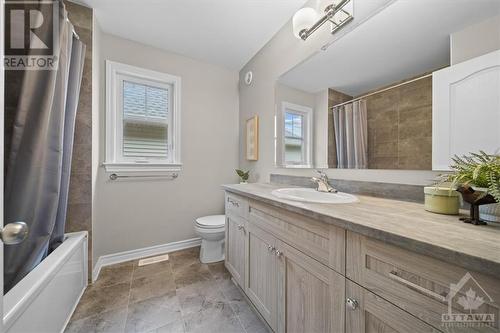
(294, 137)
(390, 128)
(370, 90)
(294, 123)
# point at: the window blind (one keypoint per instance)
(145, 121)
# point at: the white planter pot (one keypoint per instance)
(490, 213)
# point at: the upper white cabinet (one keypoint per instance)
(466, 109)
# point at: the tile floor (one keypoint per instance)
(178, 295)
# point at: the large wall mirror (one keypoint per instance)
(366, 101)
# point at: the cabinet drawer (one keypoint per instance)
(367, 313)
(321, 241)
(236, 205)
(422, 285)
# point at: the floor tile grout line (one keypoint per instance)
(217, 275)
(128, 299)
(184, 325)
(236, 314)
(94, 285)
(227, 301)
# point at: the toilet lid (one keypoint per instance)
(212, 221)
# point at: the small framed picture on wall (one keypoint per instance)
(252, 139)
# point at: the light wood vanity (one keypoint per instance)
(375, 266)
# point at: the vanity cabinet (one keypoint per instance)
(323, 242)
(304, 275)
(418, 284)
(262, 278)
(311, 295)
(367, 313)
(235, 250)
(292, 291)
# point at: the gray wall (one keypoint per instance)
(279, 55)
(476, 40)
(131, 214)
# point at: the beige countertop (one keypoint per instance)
(400, 223)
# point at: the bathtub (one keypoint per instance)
(45, 299)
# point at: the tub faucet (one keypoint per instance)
(323, 183)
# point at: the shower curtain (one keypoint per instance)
(38, 166)
(351, 135)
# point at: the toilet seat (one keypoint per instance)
(211, 222)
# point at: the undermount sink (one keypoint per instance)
(313, 196)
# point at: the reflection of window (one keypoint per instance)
(294, 138)
(142, 124)
(296, 135)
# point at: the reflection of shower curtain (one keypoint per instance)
(351, 136)
(38, 167)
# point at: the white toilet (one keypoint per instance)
(211, 229)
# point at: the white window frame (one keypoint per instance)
(116, 73)
(307, 114)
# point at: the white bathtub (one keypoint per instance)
(44, 300)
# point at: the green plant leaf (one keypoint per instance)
(478, 169)
(244, 175)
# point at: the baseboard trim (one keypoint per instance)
(116, 258)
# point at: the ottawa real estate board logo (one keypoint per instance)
(31, 35)
(469, 305)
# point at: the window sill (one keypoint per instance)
(296, 166)
(142, 168)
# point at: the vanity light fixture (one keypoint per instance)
(306, 22)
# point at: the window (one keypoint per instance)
(295, 135)
(142, 120)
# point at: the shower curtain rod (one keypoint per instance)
(381, 90)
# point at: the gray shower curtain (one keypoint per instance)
(38, 166)
(351, 135)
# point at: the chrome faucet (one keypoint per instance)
(323, 183)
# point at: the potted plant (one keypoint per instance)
(481, 171)
(244, 175)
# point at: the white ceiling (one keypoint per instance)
(222, 32)
(407, 38)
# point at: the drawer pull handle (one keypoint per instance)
(240, 226)
(271, 248)
(351, 303)
(234, 203)
(394, 276)
(279, 253)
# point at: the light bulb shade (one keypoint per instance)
(303, 19)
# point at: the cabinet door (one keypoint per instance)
(466, 109)
(368, 313)
(311, 295)
(235, 248)
(261, 281)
